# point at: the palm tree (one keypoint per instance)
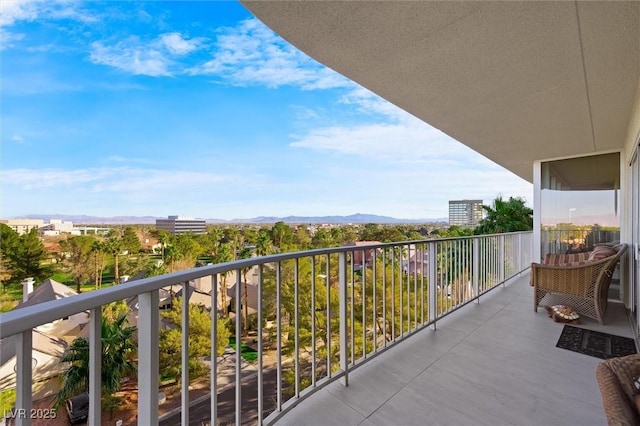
(163, 238)
(224, 254)
(264, 245)
(506, 216)
(118, 346)
(245, 253)
(98, 248)
(114, 246)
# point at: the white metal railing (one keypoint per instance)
(334, 309)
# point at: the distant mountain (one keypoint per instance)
(141, 220)
(354, 218)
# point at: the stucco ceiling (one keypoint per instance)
(515, 81)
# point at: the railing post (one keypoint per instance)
(343, 317)
(279, 337)
(184, 416)
(476, 269)
(24, 373)
(95, 366)
(148, 321)
(260, 350)
(214, 349)
(501, 259)
(296, 325)
(519, 257)
(238, 356)
(433, 288)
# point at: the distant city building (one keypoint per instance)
(23, 226)
(51, 227)
(57, 226)
(182, 224)
(465, 212)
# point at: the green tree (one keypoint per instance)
(27, 258)
(133, 265)
(250, 235)
(234, 238)
(302, 239)
(245, 253)
(458, 231)
(224, 255)
(182, 252)
(130, 241)
(506, 216)
(264, 245)
(282, 236)
(163, 239)
(78, 258)
(99, 251)
(322, 239)
(371, 232)
(8, 251)
(118, 350)
(344, 234)
(199, 339)
(113, 246)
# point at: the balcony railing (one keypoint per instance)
(331, 311)
(566, 240)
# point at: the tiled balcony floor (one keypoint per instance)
(492, 363)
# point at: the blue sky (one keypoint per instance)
(196, 108)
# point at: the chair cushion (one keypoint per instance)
(600, 252)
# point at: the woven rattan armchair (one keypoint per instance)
(583, 285)
(616, 378)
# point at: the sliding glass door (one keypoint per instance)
(579, 203)
(635, 236)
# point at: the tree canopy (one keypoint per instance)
(22, 256)
(199, 339)
(118, 349)
(506, 216)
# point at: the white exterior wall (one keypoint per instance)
(23, 226)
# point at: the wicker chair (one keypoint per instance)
(583, 285)
(616, 378)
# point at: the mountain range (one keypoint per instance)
(134, 220)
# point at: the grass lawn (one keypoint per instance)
(63, 277)
(248, 353)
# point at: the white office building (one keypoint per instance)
(465, 212)
(182, 224)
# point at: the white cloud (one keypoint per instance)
(128, 190)
(120, 159)
(411, 141)
(154, 58)
(251, 54)
(178, 45)
(132, 56)
(18, 10)
(14, 11)
(118, 179)
(399, 165)
(10, 12)
(17, 138)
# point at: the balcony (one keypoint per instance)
(439, 331)
(494, 362)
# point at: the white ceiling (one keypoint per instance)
(515, 81)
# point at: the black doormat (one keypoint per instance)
(594, 343)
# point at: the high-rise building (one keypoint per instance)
(465, 212)
(182, 225)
